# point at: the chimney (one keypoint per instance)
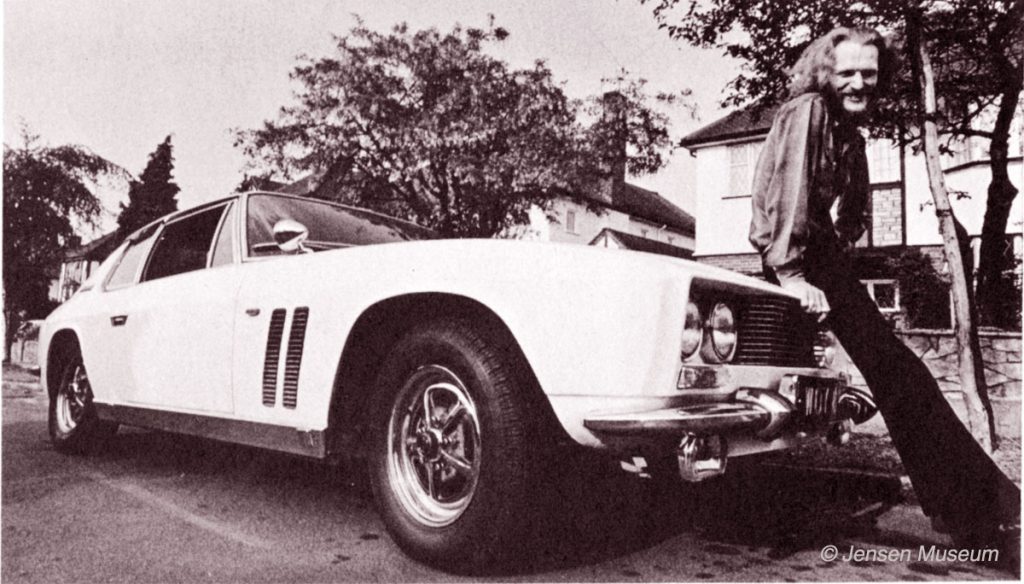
(613, 117)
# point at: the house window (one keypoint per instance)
(742, 159)
(884, 162)
(570, 221)
(885, 293)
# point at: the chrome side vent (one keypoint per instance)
(273, 356)
(293, 360)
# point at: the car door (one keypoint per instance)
(106, 335)
(179, 320)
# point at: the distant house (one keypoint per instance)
(78, 264)
(616, 214)
(623, 216)
(900, 210)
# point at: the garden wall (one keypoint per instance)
(1002, 355)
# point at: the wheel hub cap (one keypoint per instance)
(428, 445)
(434, 446)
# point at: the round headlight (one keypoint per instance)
(692, 330)
(721, 328)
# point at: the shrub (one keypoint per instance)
(924, 293)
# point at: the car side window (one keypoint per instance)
(128, 267)
(184, 245)
(223, 249)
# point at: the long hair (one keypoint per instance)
(818, 61)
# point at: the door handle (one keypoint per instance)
(118, 320)
(252, 311)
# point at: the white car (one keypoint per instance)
(450, 366)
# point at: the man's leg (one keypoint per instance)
(953, 477)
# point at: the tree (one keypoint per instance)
(153, 195)
(426, 125)
(970, 366)
(47, 193)
(978, 81)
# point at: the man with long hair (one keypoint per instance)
(813, 159)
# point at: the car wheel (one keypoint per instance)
(452, 460)
(74, 426)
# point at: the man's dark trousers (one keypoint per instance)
(952, 475)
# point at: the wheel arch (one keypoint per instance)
(379, 327)
(63, 344)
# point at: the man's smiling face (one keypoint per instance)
(855, 78)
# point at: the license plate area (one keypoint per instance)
(816, 399)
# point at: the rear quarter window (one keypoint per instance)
(127, 269)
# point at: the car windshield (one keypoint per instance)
(330, 226)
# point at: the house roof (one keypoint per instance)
(97, 249)
(303, 186)
(637, 243)
(743, 123)
(650, 206)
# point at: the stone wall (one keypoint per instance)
(1002, 355)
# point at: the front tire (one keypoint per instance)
(73, 423)
(453, 459)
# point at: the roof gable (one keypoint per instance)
(637, 243)
(748, 122)
(647, 205)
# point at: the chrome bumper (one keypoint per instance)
(764, 413)
(717, 418)
(701, 430)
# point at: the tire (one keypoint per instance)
(73, 423)
(453, 488)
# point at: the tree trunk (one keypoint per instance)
(1001, 191)
(1001, 194)
(977, 418)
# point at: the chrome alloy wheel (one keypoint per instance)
(73, 397)
(434, 446)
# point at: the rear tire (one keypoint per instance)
(453, 453)
(73, 423)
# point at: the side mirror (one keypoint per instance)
(290, 236)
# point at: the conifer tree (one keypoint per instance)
(153, 195)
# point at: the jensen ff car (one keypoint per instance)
(450, 366)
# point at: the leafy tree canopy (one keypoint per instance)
(976, 47)
(426, 125)
(153, 195)
(47, 193)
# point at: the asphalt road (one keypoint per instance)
(162, 508)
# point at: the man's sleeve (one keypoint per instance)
(853, 202)
(785, 181)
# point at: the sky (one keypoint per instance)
(119, 75)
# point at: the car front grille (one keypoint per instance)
(774, 331)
